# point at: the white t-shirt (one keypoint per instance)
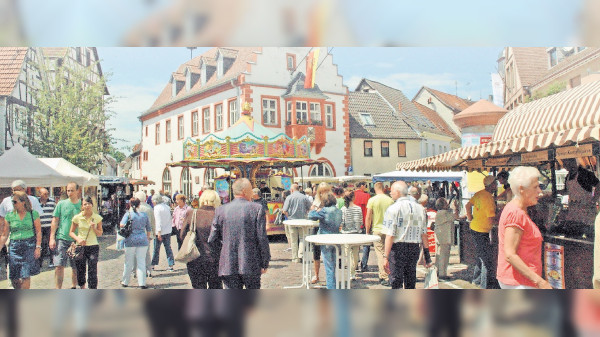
(162, 218)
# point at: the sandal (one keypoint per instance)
(314, 280)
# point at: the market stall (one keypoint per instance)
(252, 151)
(545, 133)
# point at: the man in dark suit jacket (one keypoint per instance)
(240, 226)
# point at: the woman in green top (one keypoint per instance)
(85, 229)
(25, 231)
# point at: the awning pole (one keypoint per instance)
(553, 176)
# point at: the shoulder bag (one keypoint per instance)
(75, 251)
(189, 251)
(126, 230)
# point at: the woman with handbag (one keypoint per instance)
(25, 231)
(203, 271)
(136, 243)
(85, 229)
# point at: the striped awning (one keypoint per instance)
(571, 116)
(445, 161)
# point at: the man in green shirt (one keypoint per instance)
(59, 234)
(376, 207)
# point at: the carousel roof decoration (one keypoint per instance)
(246, 142)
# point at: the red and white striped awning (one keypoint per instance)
(570, 116)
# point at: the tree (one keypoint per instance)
(70, 116)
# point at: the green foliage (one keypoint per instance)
(552, 89)
(118, 155)
(71, 115)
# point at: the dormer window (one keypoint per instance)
(553, 57)
(291, 62)
(366, 119)
(220, 66)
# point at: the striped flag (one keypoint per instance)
(311, 68)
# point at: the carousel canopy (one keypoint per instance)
(246, 143)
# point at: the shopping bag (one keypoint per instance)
(189, 251)
(431, 279)
(120, 244)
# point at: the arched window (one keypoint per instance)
(321, 170)
(166, 181)
(186, 182)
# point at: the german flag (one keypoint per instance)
(311, 68)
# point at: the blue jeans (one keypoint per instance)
(364, 262)
(166, 240)
(328, 253)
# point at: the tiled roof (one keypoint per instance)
(403, 106)
(239, 65)
(569, 62)
(11, 62)
(229, 53)
(388, 124)
(454, 102)
(438, 121)
(54, 52)
(531, 63)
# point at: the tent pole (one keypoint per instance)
(553, 177)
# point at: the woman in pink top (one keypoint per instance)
(179, 215)
(519, 239)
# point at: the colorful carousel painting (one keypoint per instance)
(246, 146)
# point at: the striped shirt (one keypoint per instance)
(405, 220)
(351, 219)
(48, 208)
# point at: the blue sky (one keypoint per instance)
(138, 75)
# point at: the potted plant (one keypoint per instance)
(316, 123)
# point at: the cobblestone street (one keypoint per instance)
(281, 273)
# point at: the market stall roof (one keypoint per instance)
(113, 180)
(141, 182)
(17, 163)
(570, 116)
(565, 118)
(410, 176)
(67, 168)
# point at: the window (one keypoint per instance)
(368, 146)
(180, 131)
(366, 119)
(269, 107)
(401, 149)
(315, 112)
(186, 182)
(289, 112)
(291, 62)
(385, 149)
(194, 123)
(206, 120)
(233, 112)
(145, 156)
(146, 130)
(433, 149)
(321, 170)
(87, 57)
(168, 131)
(426, 150)
(209, 175)
(329, 116)
(157, 134)
(219, 117)
(166, 181)
(440, 148)
(553, 57)
(445, 148)
(301, 112)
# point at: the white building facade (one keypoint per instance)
(205, 94)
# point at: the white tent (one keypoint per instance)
(17, 163)
(340, 179)
(410, 176)
(66, 168)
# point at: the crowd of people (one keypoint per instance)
(232, 241)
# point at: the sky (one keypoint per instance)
(138, 75)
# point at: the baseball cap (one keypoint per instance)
(487, 181)
(18, 183)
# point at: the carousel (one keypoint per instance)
(249, 150)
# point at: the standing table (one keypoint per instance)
(342, 243)
(304, 226)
